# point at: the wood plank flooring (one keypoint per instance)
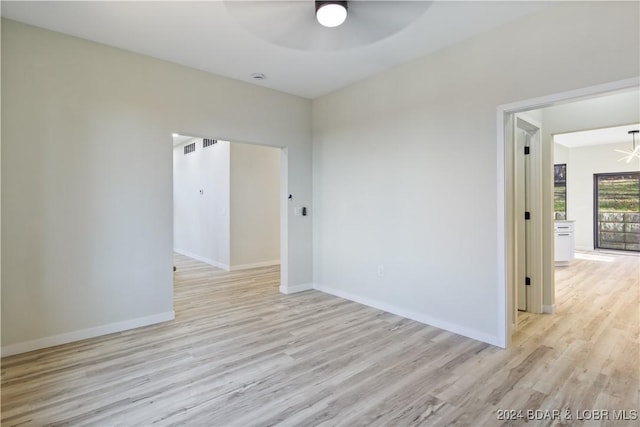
(241, 354)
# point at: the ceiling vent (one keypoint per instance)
(190, 148)
(208, 142)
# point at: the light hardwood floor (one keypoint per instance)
(241, 354)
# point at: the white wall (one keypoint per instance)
(201, 221)
(86, 209)
(560, 154)
(255, 205)
(608, 111)
(87, 180)
(405, 162)
(235, 222)
(582, 164)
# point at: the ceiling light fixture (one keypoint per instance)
(331, 13)
(635, 151)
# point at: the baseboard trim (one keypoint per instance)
(40, 343)
(255, 265)
(296, 288)
(211, 262)
(413, 315)
(549, 309)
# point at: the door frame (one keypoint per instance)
(533, 240)
(284, 205)
(505, 186)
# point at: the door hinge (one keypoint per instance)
(527, 215)
(527, 150)
(527, 281)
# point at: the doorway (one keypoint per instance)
(541, 172)
(228, 203)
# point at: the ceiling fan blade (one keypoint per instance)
(293, 24)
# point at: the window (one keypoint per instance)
(617, 211)
(560, 191)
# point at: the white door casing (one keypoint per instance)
(532, 198)
(506, 315)
(521, 206)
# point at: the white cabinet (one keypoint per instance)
(564, 241)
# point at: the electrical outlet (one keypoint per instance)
(380, 270)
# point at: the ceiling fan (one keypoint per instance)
(331, 13)
(296, 24)
(634, 152)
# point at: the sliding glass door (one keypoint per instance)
(617, 211)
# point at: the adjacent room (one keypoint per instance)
(602, 186)
(226, 202)
(583, 139)
(307, 213)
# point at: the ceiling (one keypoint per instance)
(279, 39)
(612, 135)
(180, 139)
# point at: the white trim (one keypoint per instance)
(296, 288)
(504, 294)
(226, 267)
(534, 250)
(569, 96)
(548, 309)
(503, 113)
(37, 344)
(413, 315)
(255, 265)
(284, 217)
(211, 262)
